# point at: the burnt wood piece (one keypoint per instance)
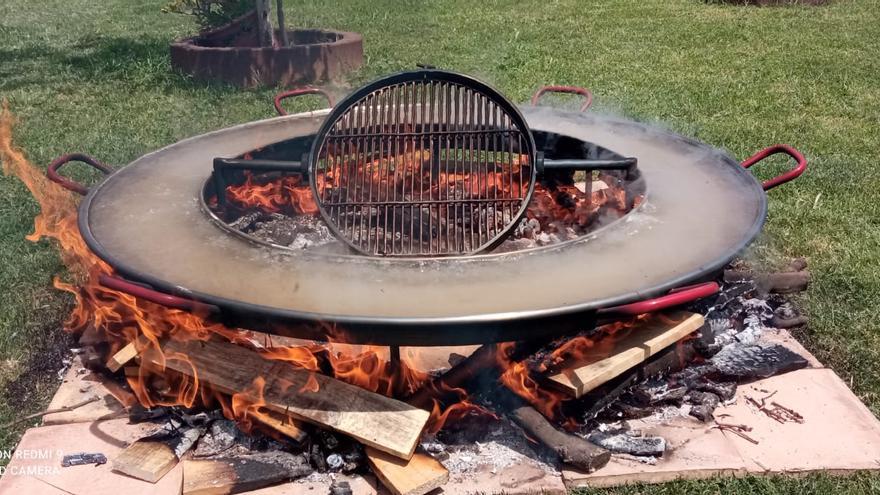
(743, 362)
(468, 369)
(151, 457)
(795, 321)
(227, 475)
(780, 282)
(572, 450)
(372, 419)
(624, 443)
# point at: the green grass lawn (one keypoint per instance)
(95, 77)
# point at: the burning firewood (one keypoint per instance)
(598, 362)
(375, 420)
(482, 367)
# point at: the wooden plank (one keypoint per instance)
(641, 342)
(417, 476)
(222, 476)
(146, 460)
(387, 424)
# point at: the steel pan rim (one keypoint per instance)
(436, 322)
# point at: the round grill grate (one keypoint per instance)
(426, 163)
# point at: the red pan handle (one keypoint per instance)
(299, 92)
(141, 292)
(786, 176)
(70, 184)
(675, 297)
(575, 90)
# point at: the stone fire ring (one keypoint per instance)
(314, 55)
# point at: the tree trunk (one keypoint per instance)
(264, 27)
(282, 26)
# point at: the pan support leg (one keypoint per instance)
(394, 353)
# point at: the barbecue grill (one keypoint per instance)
(149, 221)
(381, 162)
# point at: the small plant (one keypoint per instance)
(210, 13)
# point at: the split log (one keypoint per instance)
(643, 341)
(571, 449)
(417, 476)
(222, 476)
(470, 368)
(375, 420)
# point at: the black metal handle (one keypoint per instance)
(223, 166)
(260, 165)
(628, 164)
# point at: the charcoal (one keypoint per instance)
(455, 358)
(745, 362)
(698, 398)
(296, 465)
(83, 458)
(623, 410)
(139, 413)
(222, 435)
(317, 458)
(657, 392)
(353, 459)
(703, 412)
(689, 377)
(724, 390)
(328, 440)
(339, 487)
(177, 435)
(246, 221)
(624, 443)
(705, 341)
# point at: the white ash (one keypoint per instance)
(503, 447)
(643, 459)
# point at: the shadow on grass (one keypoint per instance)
(98, 59)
